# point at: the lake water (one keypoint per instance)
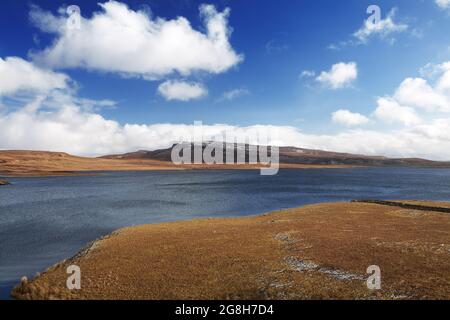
(45, 220)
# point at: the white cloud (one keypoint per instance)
(234, 94)
(382, 28)
(72, 129)
(418, 95)
(118, 39)
(181, 90)
(348, 118)
(391, 111)
(443, 83)
(18, 75)
(341, 75)
(422, 95)
(57, 120)
(416, 92)
(443, 4)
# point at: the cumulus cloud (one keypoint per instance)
(348, 118)
(417, 92)
(416, 95)
(58, 120)
(181, 90)
(418, 98)
(381, 28)
(391, 111)
(443, 83)
(73, 129)
(341, 75)
(121, 40)
(18, 75)
(443, 4)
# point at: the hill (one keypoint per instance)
(292, 155)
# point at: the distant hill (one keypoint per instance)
(42, 163)
(292, 155)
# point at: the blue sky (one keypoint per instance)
(277, 41)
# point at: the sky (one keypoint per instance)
(93, 78)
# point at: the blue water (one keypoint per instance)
(44, 220)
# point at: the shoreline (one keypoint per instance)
(21, 163)
(316, 251)
(87, 172)
(97, 172)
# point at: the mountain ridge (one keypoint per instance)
(294, 155)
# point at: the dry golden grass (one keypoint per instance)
(40, 163)
(314, 252)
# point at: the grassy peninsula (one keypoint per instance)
(313, 252)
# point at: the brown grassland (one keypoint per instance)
(42, 163)
(313, 252)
